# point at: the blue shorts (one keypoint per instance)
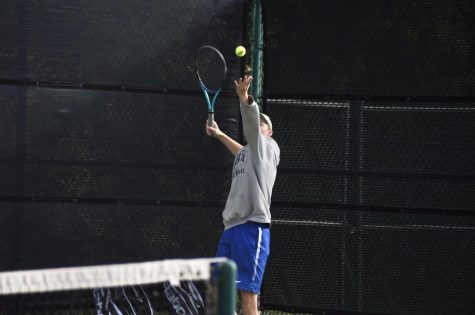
(248, 245)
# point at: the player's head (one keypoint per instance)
(266, 125)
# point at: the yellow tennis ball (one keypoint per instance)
(240, 51)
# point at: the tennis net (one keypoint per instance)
(190, 286)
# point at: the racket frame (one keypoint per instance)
(207, 91)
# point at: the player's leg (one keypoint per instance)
(249, 249)
(249, 303)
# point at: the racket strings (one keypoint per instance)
(210, 68)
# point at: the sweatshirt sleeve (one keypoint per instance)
(251, 126)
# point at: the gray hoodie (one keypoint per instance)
(254, 172)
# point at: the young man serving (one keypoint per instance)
(246, 216)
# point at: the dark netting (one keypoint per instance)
(449, 194)
(404, 48)
(311, 134)
(385, 169)
(412, 155)
(103, 154)
(369, 198)
(418, 155)
(419, 138)
(391, 158)
(58, 234)
(10, 230)
(416, 263)
(313, 137)
(141, 43)
(291, 186)
(79, 143)
(306, 267)
(370, 262)
(9, 134)
(8, 121)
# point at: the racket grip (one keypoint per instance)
(210, 119)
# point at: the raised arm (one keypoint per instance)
(213, 131)
(250, 116)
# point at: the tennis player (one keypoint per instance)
(246, 216)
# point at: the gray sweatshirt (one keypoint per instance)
(254, 172)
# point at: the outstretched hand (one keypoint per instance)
(242, 87)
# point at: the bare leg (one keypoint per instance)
(249, 303)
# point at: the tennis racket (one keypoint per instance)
(211, 70)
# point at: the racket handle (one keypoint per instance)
(210, 119)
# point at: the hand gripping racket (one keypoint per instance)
(211, 70)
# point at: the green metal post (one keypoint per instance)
(257, 47)
(227, 288)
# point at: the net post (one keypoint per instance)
(227, 288)
(257, 50)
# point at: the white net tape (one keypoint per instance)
(89, 277)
